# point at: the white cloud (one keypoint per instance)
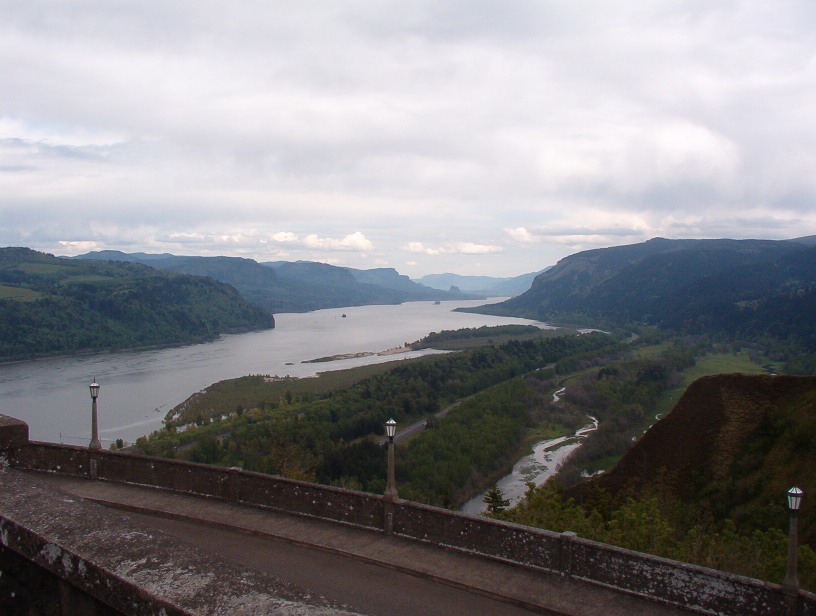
(521, 234)
(350, 128)
(414, 247)
(356, 242)
(284, 237)
(78, 248)
(465, 248)
(471, 248)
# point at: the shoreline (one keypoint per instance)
(341, 356)
(136, 349)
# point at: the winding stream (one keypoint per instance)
(536, 467)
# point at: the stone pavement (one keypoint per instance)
(367, 571)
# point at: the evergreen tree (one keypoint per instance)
(494, 498)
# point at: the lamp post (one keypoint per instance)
(790, 586)
(391, 486)
(95, 444)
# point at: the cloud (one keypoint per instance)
(414, 247)
(75, 248)
(580, 238)
(522, 235)
(355, 242)
(350, 129)
(464, 248)
(471, 248)
(284, 237)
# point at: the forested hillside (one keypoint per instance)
(333, 436)
(50, 305)
(733, 444)
(749, 290)
(706, 484)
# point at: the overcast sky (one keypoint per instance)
(431, 136)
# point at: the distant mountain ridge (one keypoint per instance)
(810, 240)
(298, 286)
(749, 288)
(487, 285)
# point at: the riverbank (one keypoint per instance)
(342, 356)
(35, 357)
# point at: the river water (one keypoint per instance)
(139, 387)
(534, 468)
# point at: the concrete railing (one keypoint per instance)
(699, 589)
(228, 484)
(702, 590)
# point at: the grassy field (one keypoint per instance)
(45, 268)
(494, 336)
(21, 295)
(250, 391)
(92, 279)
(716, 363)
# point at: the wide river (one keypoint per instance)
(139, 387)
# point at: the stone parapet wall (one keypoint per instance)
(532, 547)
(13, 433)
(233, 485)
(701, 590)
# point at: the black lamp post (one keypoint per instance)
(95, 444)
(791, 584)
(391, 486)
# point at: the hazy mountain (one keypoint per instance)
(118, 255)
(290, 286)
(485, 285)
(345, 286)
(810, 240)
(390, 278)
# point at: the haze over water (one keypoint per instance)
(140, 387)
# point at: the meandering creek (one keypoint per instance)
(536, 467)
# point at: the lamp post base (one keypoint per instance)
(791, 594)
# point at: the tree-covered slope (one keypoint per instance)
(748, 288)
(707, 483)
(733, 444)
(51, 305)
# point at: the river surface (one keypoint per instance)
(138, 388)
(534, 468)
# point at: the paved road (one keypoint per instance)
(419, 426)
(370, 572)
(363, 587)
